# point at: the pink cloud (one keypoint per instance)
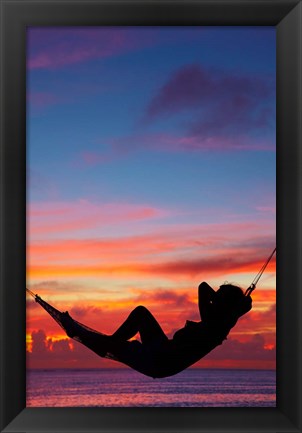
(56, 217)
(195, 241)
(124, 248)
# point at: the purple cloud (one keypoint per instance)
(229, 113)
(254, 349)
(193, 85)
(224, 104)
(46, 353)
(40, 345)
(183, 90)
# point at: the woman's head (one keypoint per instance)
(231, 298)
(230, 292)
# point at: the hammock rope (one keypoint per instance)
(258, 276)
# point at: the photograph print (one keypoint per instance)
(151, 216)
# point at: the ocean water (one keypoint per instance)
(127, 388)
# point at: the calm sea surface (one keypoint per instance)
(123, 387)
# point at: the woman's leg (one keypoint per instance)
(142, 321)
(131, 353)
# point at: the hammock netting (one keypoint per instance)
(58, 316)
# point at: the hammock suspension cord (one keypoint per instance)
(258, 276)
(31, 293)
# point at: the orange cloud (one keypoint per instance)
(47, 353)
(218, 266)
(109, 250)
(263, 322)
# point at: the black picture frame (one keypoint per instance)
(16, 16)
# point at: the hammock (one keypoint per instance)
(142, 360)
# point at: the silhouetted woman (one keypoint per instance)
(156, 355)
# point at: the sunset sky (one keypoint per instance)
(151, 167)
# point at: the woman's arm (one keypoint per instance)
(206, 296)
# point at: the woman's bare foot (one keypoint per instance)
(68, 324)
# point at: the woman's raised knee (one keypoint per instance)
(140, 309)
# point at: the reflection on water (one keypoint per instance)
(125, 387)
